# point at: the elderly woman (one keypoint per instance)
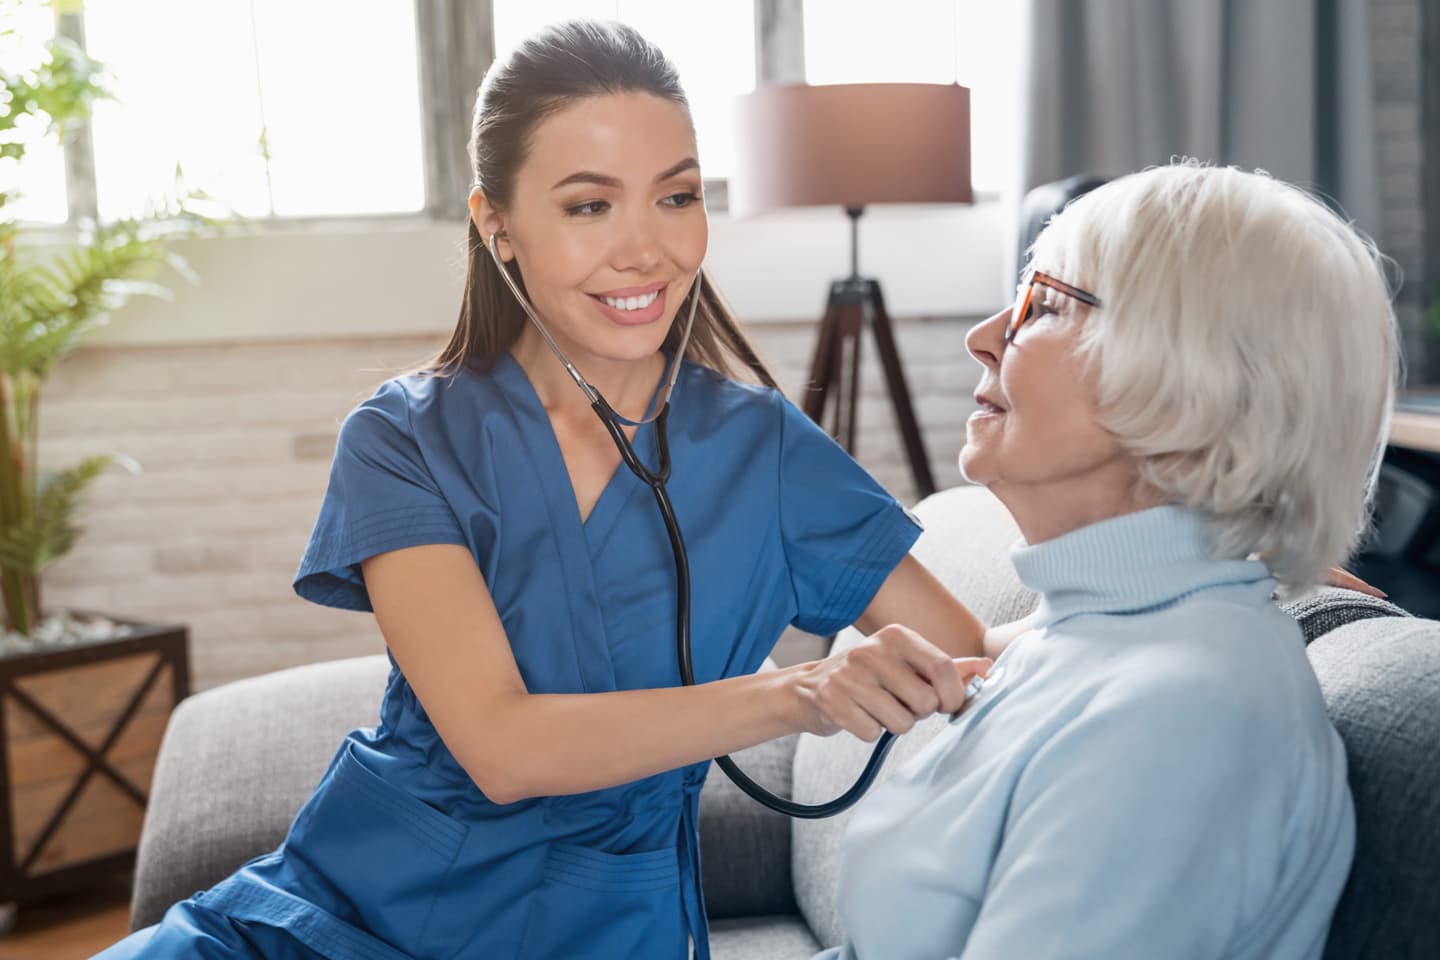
(1183, 412)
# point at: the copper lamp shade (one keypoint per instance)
(851, 145)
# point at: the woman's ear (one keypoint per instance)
(487, 220)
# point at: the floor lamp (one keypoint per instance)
(853, 145)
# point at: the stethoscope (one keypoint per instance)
(655, 480)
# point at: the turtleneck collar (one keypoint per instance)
(1133, 563)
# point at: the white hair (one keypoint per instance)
(1245, 353)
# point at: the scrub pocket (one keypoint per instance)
(595, 904)
(386, 852)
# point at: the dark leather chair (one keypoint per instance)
(1046, 200)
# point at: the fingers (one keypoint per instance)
(943, 675)
(870, 716)
(883, 664)
(1343, 578)
(892, 680)
(971, 667)
(852, 698)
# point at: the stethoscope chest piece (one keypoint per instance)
(987, 687)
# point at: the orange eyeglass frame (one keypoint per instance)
(1025, 294)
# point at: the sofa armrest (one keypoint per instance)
(236, 764)
(1330, 608)
(1381, 680)
(744, 847)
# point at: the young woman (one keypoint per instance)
(531, 788)
(1183, 411)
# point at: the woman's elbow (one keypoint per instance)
(496, 761)
(503, 795)
(497, 781)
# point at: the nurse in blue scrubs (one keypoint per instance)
(531, 787)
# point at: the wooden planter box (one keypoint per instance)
(79, 730)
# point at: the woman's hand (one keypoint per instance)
(888, 682)
(1343, 578)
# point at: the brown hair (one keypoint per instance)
(553, 68)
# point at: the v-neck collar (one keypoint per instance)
(554, 475)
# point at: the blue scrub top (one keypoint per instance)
(398, 852)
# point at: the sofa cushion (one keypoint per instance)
(1381, 679)
(235, 766)
(762, 938)
(966, 544)
(745, 847)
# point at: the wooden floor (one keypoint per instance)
(71, 926)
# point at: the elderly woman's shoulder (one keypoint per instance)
(1245, 662)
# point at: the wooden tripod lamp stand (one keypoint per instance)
(852, 145)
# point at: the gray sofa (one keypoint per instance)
(238, 761)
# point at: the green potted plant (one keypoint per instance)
(84, 699)
(49, 301)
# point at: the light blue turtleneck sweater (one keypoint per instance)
(1150, 773)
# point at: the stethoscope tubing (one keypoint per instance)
(656, 481)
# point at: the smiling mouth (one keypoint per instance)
(629, 304)
(633, 306)
(987, 407)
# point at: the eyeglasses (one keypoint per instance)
(1024, 307)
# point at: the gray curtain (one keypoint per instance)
(1284, 85)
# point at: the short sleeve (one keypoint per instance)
(381, 497)
(843, 533)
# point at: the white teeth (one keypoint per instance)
(631, 303)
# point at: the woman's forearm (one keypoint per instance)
(554, 744)
(447, 637)
(912, 596)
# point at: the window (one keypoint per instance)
(314, 107)
(38, 183)
(713, 50)
(272, 107)
(971, 42)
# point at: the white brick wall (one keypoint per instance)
(235, 443)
